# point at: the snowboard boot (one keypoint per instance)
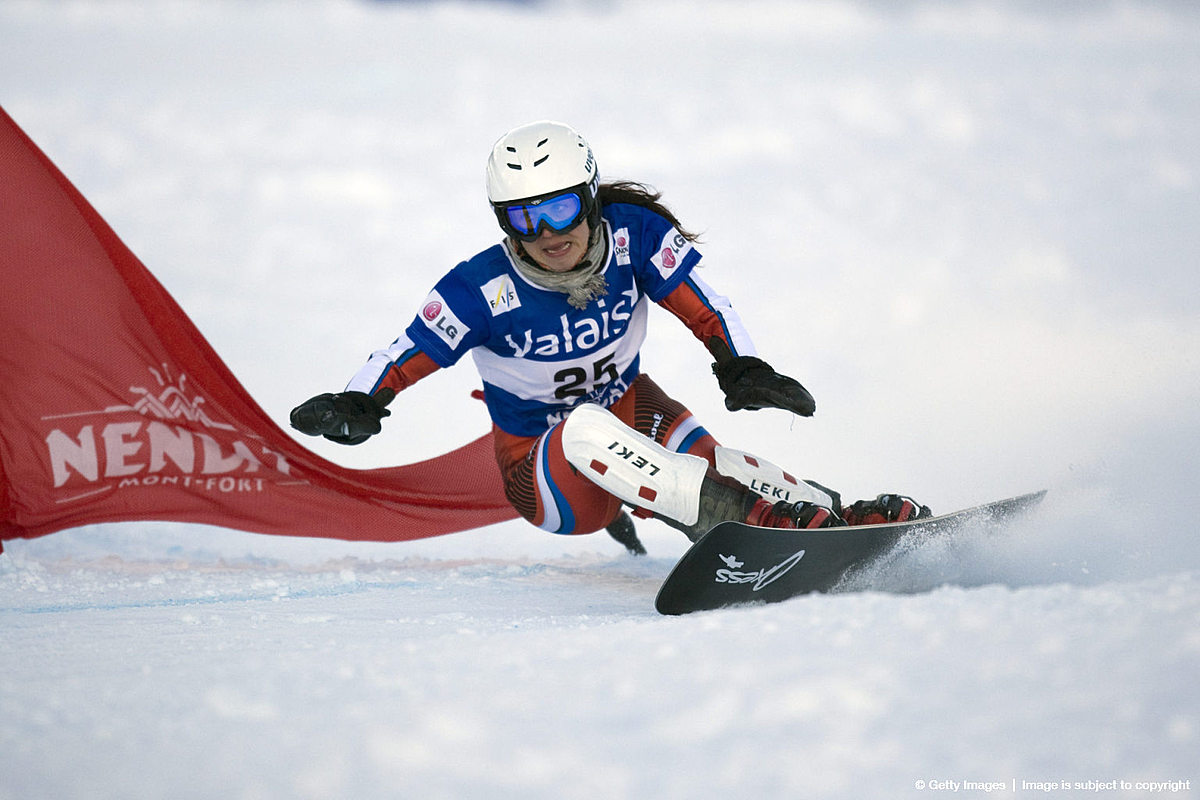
(885, 508)
(721, 499)
(793, 515)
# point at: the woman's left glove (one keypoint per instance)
(750, 383)
(345, 418)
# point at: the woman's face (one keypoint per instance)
(559, 252)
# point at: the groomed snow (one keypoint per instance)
(969, 228)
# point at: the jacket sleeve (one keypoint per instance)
(711, 318)
(394, 368)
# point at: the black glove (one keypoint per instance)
(345, 418)
(750, 383)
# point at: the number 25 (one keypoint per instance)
(571, 380)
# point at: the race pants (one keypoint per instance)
(546, 490)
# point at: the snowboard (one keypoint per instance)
(735, 563)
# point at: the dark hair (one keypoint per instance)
(639, 194)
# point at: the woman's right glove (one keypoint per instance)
(345, 418)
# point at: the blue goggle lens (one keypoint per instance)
(560, 213)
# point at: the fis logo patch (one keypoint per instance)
(500, 295)
(438, 317)
(671, 252)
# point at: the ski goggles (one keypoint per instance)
(559, 212)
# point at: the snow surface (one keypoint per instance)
(971, 229)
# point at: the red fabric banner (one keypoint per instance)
(113, 407)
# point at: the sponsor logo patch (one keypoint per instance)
(672, 250)
(500, 295)
(621, 246)
(440, 320)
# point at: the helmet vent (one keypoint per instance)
(541, 160)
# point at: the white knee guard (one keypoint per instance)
(767, 479)
(634, 468)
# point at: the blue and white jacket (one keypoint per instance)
(538, 356)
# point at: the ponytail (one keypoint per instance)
(639, 194)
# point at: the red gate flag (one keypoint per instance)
(113, 407)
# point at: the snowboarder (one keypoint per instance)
(554, 317)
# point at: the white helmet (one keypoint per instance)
(537, 159)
